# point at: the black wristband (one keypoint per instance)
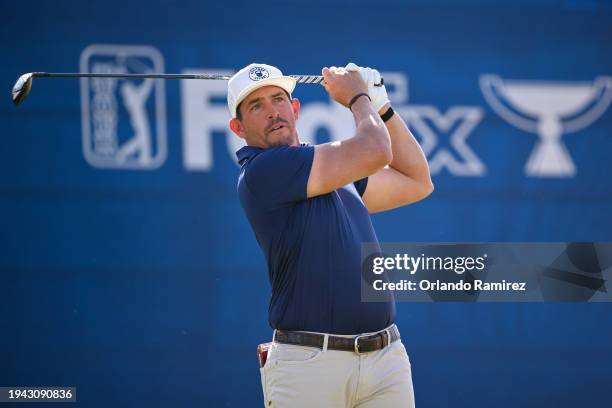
(354, 99)
(388, 114)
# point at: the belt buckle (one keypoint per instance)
(356, 344)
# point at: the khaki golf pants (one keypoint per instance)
(298, 376)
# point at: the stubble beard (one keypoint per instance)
(288, 140)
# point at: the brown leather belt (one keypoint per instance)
(358, 344)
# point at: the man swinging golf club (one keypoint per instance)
(309, 208)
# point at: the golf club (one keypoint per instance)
(23, 86)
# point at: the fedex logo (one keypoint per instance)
(205, 114)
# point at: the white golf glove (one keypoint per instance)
(378, 94)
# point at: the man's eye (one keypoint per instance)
(279, 99)
(254, 107)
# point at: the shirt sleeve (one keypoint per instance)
(279, 175)
(361, 185)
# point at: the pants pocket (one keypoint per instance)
(291, 354)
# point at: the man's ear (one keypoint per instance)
(237, 128)
(295, 103)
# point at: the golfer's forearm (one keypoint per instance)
(371, 130)
(408, 157)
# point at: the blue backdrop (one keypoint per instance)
(136, 277)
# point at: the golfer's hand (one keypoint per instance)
(342, 85)
(378, 94)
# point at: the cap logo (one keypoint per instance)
(258, 73)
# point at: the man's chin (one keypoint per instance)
(280, 141)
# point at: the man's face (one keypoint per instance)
(268, 118)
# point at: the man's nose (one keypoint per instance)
(273, 112)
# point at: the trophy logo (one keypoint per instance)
(124, 120)
(550, 110)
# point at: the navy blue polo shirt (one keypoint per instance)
(312, 245)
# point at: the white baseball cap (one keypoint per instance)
(252, 77)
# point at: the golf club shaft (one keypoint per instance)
(301, 79)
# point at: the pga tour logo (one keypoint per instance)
(124, 120)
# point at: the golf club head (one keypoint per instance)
(22, 88)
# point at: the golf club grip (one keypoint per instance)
(317, 79)
(307, 79)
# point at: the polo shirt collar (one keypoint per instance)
(246, 152)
